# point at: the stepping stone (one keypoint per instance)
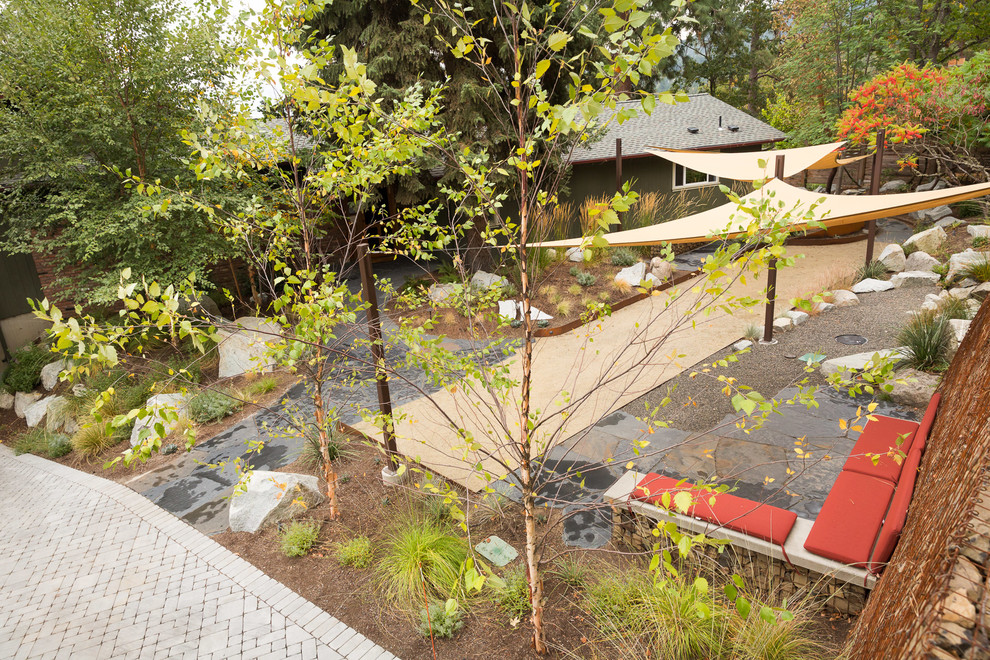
(496, 551)
(858, 361)
(812, 357)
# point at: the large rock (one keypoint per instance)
(931, 214)
(979, 231)
(870, 285)
(574, 254)
(796, 316)
(23, 400)
(859, 361)
(843, 298)
(960, 292)
(442, 294)
(783, 323)
(58, 417)
(822, 307)
(920, 260)
(271, 497)
(742, 345)
(948, 222)
(962, 260)
(913, 388)
(894, 186)
(6, 400)
(914, 278)
(159, 404)
(980, 292)
(930, 240)
(200, 305)
(244, 349)
(635, 274)
(36, 412)
(512, 310)
(934, 184)
(50, 373)
(893, 258)
(661, 269)
(484, 281)
(959, 329)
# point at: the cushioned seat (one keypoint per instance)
(762, 521)
(849, 522)
(879, 437)
(893, 522)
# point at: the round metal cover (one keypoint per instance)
(851, 340)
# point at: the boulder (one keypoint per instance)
(6, 400)
(930, 240)
(843, 298)
(797, 317)
(158, 403)
(916, 389)
(23, 400)
(928, 306)
(484, 281)
(633, 275)
(575, 254)
(859, 361)
(979, 231)
(957, 608)
(961, 260)
(893, 258)
(870, 285)
(960, 292)
(894, 186)
(34, 413)
(51, 371)
(440, 294)
(58, 417)
(271, 497)
(822, 307)
(973, 305)
(959, 328)
(200, 305)
(661, 269)
(920, 261)
(934, 184)
(512, 309)
(948, 222)
(930, 215)
(933, 297)
(979, 292)
(742, 345)
(968, 281)
(551, 254)
(783, 323)
(914, 278)
(244, 349)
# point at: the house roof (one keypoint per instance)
(668, 127)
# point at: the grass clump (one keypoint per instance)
(24, 372)
(981, 241)
(298, 538)
(356, 552)
(574, 290)
(40, 442)
(212, 406)
(926, 342)
(421, 554)
(511, 593)
(564, 308)
(586, 279)
(875, 270)
(624, 257)
(953, 308)
(261, 386)
(979, 270)
(313, 457)
(570, 571)
(753, 332)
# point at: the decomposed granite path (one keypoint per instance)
(91, 569)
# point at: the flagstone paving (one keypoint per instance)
(91, 569)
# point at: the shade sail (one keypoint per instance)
(747, 166)
(833, 160)
(832, 210)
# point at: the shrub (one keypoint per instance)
(97, 436)
(874, 270)
(624, 257)
(299, 537)
(313, 457)
(356, 552)
(926, 342)
(755, 638)
(940, 269)
(421, 553)
(979, 271)
(59, 445)
(24, 372)
(212, 406)
(442, 620)
(574, 271)
(586, 279)
(512, 593)
(981, 241)
(604, 296)
(436, 508)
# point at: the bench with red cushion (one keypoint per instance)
(878, 452)
(763, 521)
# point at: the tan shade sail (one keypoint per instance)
(832, 161)
(750, 165)
(832, 210)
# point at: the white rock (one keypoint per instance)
(929, 306)
(948, 222)
(870, 285)
(159, 403)
(914, 278)
(853, 191)
(574, 254)
(960, 292)
(979, 293)
(484, 281)
(633, 275)
(916, 389)
(661, 269)
(34, 413)
(822, 307)
(551, 254)
(930, 240)
(783, 323)
(934, 184)
(859, 361)
(244, 349)
(6, 400)
(933, 297)
(843, 298)
(968, 281)
(57, 417)
(959, 328)
(742, 345)
(920, 261)
(50, 372)
(894, 186)
(979, 231)
(931, 214)
(961, 260)
(512, 309)
(440, 294)
(797, 317)
(893, 258)
(22, 400)
(271, 497)
(973, 305)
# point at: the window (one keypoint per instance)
(687, 178)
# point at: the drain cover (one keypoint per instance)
(851, 340)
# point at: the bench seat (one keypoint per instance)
(850, 519)
(880, 436)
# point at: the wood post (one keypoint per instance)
(772, 273)
(875, 190)
(618, 174)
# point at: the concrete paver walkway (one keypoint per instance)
(91, 569)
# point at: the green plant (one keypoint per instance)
(951, 307)
(313, 457)
(586, 279)
(59, 445)
(299, 537)
(42, 443)
(926, 342)
(574, 271)
(437, 507)
(970, 208)
(624, 257)
(574, 289)
(978, 270)
(95, 437)
(212, 406)
(569, 570)
(418, 555)
(564, 308)
(909, 249)
(24, 372)
(441, 619)
(874, 270)
(753, 332)
(511, 593)
(940, 269)
(356, 552)
(263, 385)
(981, 241)
(756, 638)
(604, 296)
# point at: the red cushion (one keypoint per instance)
(921, 437)
(880, 436)
(760, 520)
(893, 523)
(850, 519)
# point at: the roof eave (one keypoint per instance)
(592, 161)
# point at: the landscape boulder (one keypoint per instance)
(6, 400)
(50, 372)
(484, 281)
(979, 231)
(913, 388)
(742, 345)
(23, 400)
(870, 285)
(783, 323)
(200, 305)
(979, 292)
(959, 328)
(893, 258)
(797, 317)
(512, 310)
(914, 278)
(243, 349)
(574, 254)
(822, 307)
(159, 403)
(441, 294)
(36, 412)
(934, 184)
(634, 275)
(930, 240)
(843, 298)
(58, 417)
(960, 261)
(894, 186)
(931, 214)
(948, 222)
(920, 260)
(859, 361)
(661, 269)
(271, 497)
(960, 292)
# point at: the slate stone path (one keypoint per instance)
(90, 569)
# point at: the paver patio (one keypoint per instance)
(91, 569)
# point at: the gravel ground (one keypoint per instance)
(698, 405)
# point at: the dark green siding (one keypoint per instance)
(18, 282)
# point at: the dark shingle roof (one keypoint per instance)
(667, 127)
